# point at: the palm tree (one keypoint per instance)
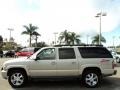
(1, 41)
(29, 31)
(96, 39)
(65, 36)
(36, 34)
(74, 38)
(40, 44)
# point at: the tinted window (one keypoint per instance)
(66, 53)
(46, 54)
(94, 52)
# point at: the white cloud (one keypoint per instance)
(56, 16)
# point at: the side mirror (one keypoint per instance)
(37, 58)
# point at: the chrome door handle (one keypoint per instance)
(53, 63)
(73, 62)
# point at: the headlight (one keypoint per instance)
(3, 68)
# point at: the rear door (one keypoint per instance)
(67, 63)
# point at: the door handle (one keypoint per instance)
(53, 63)
(73, 62)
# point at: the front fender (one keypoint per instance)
(18, 66)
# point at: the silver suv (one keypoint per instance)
(90, 63)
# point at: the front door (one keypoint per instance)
(45, 65)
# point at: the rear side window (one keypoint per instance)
(94, 52)
(66, 53)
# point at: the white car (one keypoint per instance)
(116, 56)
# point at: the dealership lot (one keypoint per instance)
(111, 83)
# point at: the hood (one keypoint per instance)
(14, 61)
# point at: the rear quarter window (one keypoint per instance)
(94, 52)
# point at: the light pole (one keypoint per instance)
(10, 29)
(119, 37)
(87, 39)
(113, 42)
(100, 15)
(55, 33)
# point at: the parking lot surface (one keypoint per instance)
(111, 83)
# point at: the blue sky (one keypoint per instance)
(57, 15)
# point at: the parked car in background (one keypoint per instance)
(116, 56)
(27, 51)
(10, 53)
(1, 53)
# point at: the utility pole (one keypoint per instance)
(113, 42)
(87, 39)
(55, 33)
(10, 29)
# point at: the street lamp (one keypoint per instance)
(55, 33)
(99, 15)
(10, 29)
(113, 42)
(87, 39)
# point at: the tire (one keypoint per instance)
(118, 60)
(91, 79)
(17, 79)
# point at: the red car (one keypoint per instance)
(27, 51)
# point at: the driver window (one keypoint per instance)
(47, 54)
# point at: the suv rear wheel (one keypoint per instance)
(91, 79)
(118, 59)
(17, 78)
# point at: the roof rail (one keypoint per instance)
(79, 45)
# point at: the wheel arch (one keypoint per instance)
(92, 69)
(16, 69)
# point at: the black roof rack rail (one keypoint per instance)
(79, 45)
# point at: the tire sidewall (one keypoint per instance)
(17, 86)
(84, 78)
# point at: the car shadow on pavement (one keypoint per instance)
(111, 83)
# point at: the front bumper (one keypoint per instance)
(4, 74)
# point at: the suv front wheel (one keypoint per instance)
(17, 78)
(91, 79)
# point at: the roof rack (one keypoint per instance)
(79, 45)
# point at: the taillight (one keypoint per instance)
(114, 64)
(104, 61)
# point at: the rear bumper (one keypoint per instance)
(114, 73)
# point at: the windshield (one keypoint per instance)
(34, 55)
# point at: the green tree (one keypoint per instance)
(70, 38)
(36, 34)
(29, 31)
(9, 45)
(1, 41)
(95, 39)
(65, 37)
(40, 44)
(74, 38)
